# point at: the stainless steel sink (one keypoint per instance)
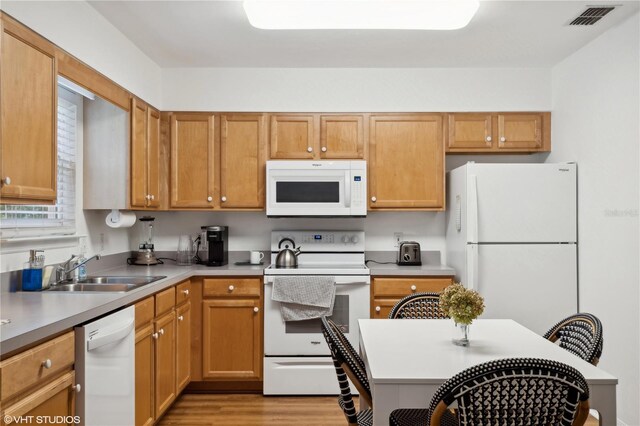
(106, 284)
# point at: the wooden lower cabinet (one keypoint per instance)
(183, 346)
(165, 362)
(145, 390)
(46, 405)
(39, 382)
(229, 349)
(232, 339)
(387, 291)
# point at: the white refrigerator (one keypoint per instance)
(511, 234)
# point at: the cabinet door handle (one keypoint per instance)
(374, 199)
(47, 363)
(503, 139)
(256, 309)
(153, 197)
(186, 292)
(377, 308)
(209, 199)
(231, 288)
(309, 149)
(324, 149)
(488, 138)
(180, 318)
(413, 288)
(223, 199)
(161, 331)
(76, 388)
(147, 197)
(155, 336)
(6, 181)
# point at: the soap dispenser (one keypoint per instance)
(32, 271)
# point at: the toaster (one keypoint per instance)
(409, 253)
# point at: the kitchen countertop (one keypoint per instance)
(383, 264)
(36, 316)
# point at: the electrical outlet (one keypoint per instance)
(101, 242)
(397, 237)
(82, 247)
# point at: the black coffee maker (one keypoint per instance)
(218, 244)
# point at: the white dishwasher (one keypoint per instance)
(105, 360)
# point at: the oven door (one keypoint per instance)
(293, 338)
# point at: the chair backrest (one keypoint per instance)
(515, 391)
(580, 334)
(347, 363)
(418, 306)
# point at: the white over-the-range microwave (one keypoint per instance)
(317, 188)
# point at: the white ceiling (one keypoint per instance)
(217, 34)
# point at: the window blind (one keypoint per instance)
(60, 218)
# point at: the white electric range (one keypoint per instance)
(297, 359)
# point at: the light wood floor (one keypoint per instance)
(258, 410)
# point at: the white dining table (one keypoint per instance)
(407, 360)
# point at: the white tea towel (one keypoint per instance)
(304, 298)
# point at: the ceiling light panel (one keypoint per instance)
(360, 14)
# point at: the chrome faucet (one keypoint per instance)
(63, 270)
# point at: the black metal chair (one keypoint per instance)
(580, 334)
(418, 306)
(348, 364)
(513, 391)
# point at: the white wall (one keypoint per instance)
(596, 122)
(251, 230)
(80, 30)
(361, 89)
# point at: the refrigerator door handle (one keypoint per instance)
(472, 267)
(473, 208)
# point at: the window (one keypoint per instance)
(58, 219)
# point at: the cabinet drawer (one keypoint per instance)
(404, 286)
(232, 287)
(144, 312)
(165, 301)
(27, 368)
(183, 292)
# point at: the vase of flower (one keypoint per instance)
(463, 306)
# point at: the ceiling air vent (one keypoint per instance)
(592, 15)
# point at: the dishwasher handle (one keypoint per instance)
(99, 339)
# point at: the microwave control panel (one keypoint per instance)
(358, 189)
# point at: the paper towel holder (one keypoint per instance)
(114, 219)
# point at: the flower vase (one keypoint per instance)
(461, 337)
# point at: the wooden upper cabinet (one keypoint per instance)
(470, 132)
(242, 161)
(520, 132)
(341, 136)
(145, 155)
(138, 162)
(499, 132)
(406, 162)
(293, 136)
(192, 160)
(153, 158)
(28, 81)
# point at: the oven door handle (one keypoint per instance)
(270, 282)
